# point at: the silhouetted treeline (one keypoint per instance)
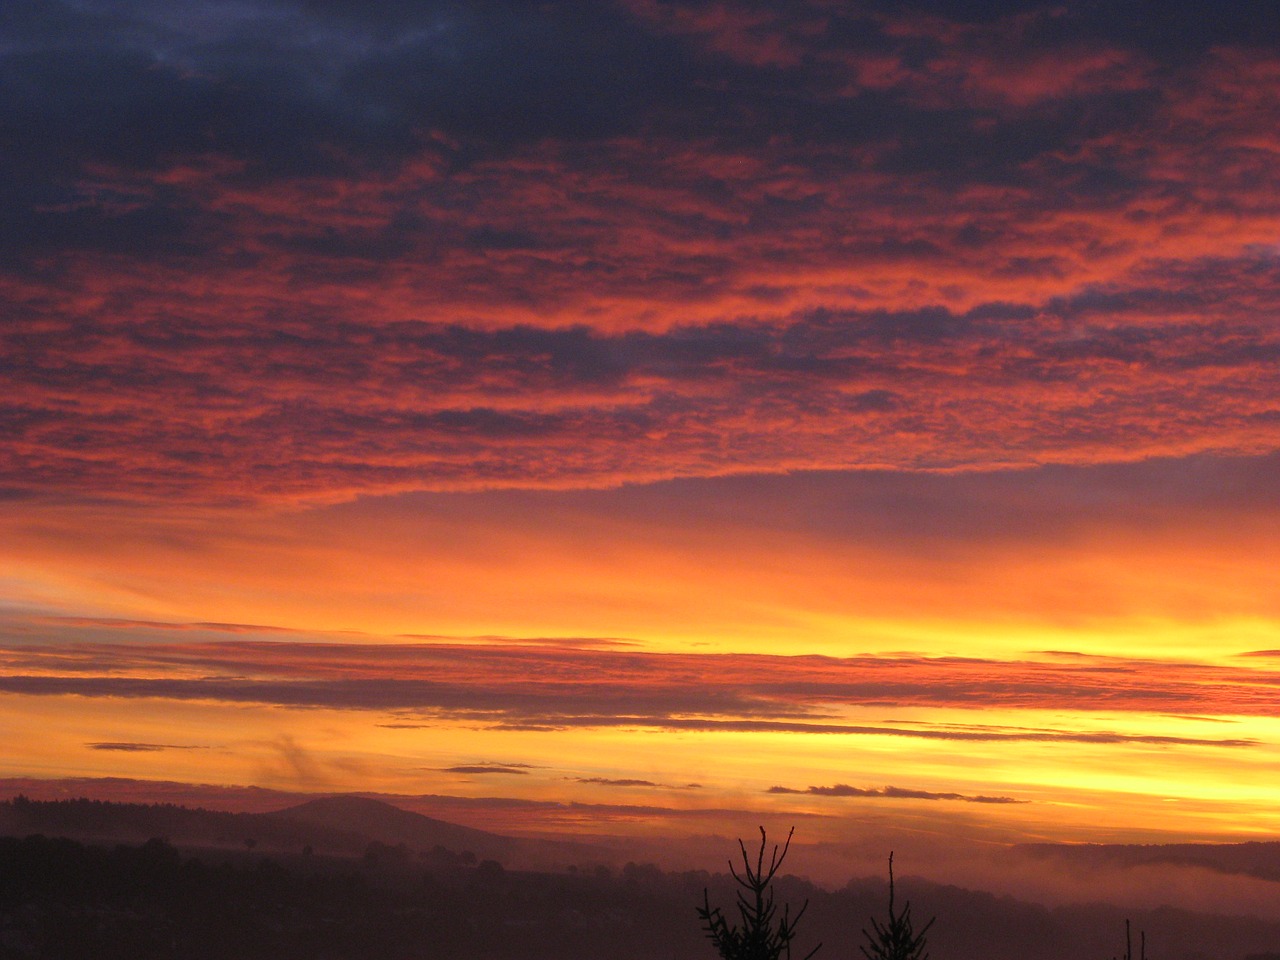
(64, 899)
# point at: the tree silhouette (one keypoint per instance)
(896, 939)
(762, 935)
(1128, 943)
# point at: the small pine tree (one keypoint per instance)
(897, 939)
(763, 935)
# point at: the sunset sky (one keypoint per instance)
(648, 416)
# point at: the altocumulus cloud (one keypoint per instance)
(317, 251)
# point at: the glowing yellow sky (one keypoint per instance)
(1030, 670)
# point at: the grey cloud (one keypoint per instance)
(127, 747)
(283, 85)
(890, 792)
(316, 89)
(549, 686)
(786, 726)
(464, 700)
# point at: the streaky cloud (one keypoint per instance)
(889, 792)
(526, 688)
(129, 747)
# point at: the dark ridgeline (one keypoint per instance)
(61, 899)
(340, 825)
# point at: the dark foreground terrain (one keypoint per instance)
(63, 899)
(292, 896)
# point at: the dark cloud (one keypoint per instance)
(779, 726)
(167, 625)
(516, 769)
(138, 747)
(892, 793)
(294, 90)
(515, 71)
(618, 782)
(303, 89)
(600, 705)
(562, 688)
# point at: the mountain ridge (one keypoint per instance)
(340, 824)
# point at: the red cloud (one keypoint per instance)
(875, 241)
(571, 687)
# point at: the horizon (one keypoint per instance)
(1208, 880)
(650, 419)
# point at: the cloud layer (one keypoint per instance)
(550, 688)
(322, 251)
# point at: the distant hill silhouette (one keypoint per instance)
(389, 824)
(1260, 859)
(126, 822)
(338, 825)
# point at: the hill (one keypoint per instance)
(391, 825)
(339, 826)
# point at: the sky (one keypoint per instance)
(648, 417)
